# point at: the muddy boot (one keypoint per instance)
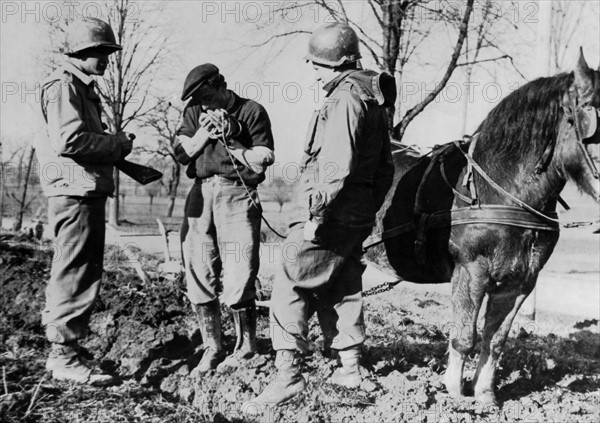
(66, 363)
(287, 384)
(349, 374)
(209, 315)
(245, 346)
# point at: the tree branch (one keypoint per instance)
(412, 113)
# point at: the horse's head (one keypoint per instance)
(579, 134)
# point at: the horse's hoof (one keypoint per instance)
(487, 399)
(454, 387)
(455, 391)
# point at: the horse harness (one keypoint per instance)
(583, 118)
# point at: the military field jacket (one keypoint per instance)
(76, 157)
(347, 165)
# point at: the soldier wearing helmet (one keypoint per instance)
(76, 166)
(227, 143)
(346, 171)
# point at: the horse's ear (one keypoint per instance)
(584, 78)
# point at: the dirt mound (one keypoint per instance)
(147, 334)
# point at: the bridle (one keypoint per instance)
(584, 119)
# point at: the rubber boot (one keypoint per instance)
(349, 374)
(287, 384)
(245, 347)
(209, 316)
(67, 363)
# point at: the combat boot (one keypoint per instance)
(349, 374)
(209, 316)
(245, 347)
(287, 384)
(66, 362)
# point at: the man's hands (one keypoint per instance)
(220, 124)
(126, 141)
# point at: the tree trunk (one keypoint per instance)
(175, 185)
(113, 203)
(19, 219)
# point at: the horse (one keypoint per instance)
(481, 213)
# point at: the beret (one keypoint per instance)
(196, 77)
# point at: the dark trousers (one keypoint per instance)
(79, 229)
(324, 276)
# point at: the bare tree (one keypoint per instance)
(131, 72)
(153, 190)
(165, 120)
(480, 35)
(567, 20)
(10, 173)
(126, 86)
(279, 191)
(403, 26)
(22, 202)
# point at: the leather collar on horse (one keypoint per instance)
(583, 118)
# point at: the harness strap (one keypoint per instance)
(421, 238)
(458, 194)
(574, 116)
(494, 214)
(468, 182)
(498, 188)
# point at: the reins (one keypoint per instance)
(476, 208)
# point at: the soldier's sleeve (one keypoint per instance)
(68, 132)
(384, 175)
(337, 157)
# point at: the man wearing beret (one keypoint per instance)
(227, 143)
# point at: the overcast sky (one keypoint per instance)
(216, 31)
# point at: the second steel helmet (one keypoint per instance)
(333, 45)
(89, 33)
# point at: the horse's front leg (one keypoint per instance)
(467, 295)
(502, 307)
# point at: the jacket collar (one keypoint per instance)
(331, 85)
(70, 67)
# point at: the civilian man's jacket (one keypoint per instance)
(77, 156)
(347, 166)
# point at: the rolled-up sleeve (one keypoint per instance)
(69, 134)
(188, 128)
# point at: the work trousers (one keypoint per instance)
(79, 230)
(220, 241)
(324, 275)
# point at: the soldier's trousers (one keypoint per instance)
(324, 276)
(221, 233)
(79, 229)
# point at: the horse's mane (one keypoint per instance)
(522, 122)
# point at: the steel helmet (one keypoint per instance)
(89, 33)
(333, 45)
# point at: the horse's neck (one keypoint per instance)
(520, 179)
